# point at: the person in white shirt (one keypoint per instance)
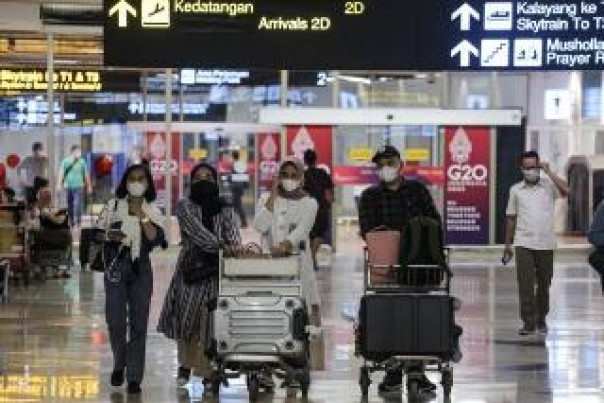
(530, 228)
(285, 219)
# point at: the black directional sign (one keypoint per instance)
(355, 34)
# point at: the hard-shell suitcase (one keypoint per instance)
(405, 325)
(261, 324)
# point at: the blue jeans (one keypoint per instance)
(75, 206)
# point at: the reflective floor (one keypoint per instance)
(53, 341)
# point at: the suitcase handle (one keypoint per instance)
(259, 293)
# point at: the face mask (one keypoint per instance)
(289, 185)
(531, 175)
(389, 174)
(203, 190)
(137, 189)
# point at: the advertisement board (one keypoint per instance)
(268, 151)
(156, 147)
(468, 176)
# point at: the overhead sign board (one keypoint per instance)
(36, 80)
(356, 34)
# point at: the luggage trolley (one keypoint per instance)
(14, 251)
(407, 322)
(261, 322)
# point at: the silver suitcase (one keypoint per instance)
(260, 325)
(260, 319)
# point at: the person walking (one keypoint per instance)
(33, 166)
(319, 185)
(132, 219)
(391, 203)
(239, 183)
(75, 180)
(206, 223)
(530, 236)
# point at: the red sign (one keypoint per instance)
(156, 147)
(268, 150)
(354, 175)
(318, 138)
(467, 196)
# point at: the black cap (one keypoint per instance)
(386, 152)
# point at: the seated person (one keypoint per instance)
(51, 228)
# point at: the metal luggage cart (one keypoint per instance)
(41, 258)
(13, 241)
(261, 323)
(405, 340)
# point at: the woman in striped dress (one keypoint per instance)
(206, 222)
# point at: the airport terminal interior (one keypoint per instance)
(459, 91)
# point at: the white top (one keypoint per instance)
(291, 220)
(533, 207)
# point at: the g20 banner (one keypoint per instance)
(157, 147)
(467, 197)
(318, 138)
(268, 150)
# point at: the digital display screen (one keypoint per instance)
(356, 34)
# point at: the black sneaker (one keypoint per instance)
(425, 385)
(134, 388)
(542, 329)
(391, 385)
(184, 374)
(526, 330)
(117, 378)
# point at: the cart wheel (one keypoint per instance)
(365, 381)
(447, 381)
(412, 388)
(253, 387)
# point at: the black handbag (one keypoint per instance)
(199, 265)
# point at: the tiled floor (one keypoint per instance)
(53, 342)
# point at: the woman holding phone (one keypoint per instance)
(133, 220)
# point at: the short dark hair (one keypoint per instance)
(37, 146)
(74, 147)
(527, 155)
(310, 157)
(122, 190)
(236, 155)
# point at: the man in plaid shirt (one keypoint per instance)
(391, 203)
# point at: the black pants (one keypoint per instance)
(237, 192)
(127, 313)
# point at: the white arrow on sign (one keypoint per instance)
(122, 8)
(464, 49)
(465, 13)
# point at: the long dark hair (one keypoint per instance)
(122, 190)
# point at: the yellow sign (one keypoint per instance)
(155, 13)
(417, 154)
(122, 9)
(360, 154)
(198, 153)
(37, 80)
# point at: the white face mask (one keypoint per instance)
(289, 185)
(137, 189)
(389, 174)
(531, 175)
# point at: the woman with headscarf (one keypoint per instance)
(285, 220)
(206, 222)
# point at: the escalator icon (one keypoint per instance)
(155, 13)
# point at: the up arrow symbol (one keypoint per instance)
(122, 8)
(464, 49)
(465, 13)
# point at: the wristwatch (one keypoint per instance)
(145, 220)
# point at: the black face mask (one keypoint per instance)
(203, 191)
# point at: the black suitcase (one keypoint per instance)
(406, 324)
